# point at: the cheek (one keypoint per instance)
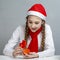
(29, 25)
(38, 26)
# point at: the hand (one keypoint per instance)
(17, 51)
(31, 55)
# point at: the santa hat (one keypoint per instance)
(37, 10)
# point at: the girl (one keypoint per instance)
(37, 34)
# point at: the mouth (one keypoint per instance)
(33, 28)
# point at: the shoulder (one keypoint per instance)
(20, 27)
(48, 28)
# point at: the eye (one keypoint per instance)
(30, 22)
(36, 22)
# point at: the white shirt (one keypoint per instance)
(18, 36)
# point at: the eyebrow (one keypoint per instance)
(35, 21)
(29, 20)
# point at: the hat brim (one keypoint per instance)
(36, 14)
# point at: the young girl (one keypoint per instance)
(36, 33)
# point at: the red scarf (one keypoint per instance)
(33, 46)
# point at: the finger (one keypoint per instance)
(32, 56)
(26, 55)
(32, 53)
(17, 48)
(18, 51)
(29, 56)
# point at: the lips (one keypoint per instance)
(33, 28)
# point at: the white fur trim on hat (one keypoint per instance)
(36, 14)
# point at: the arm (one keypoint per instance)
(9, 47)
(49, 45)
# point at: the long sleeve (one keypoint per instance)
(9, 47)
(49, 44)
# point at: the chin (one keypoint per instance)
(33, 31)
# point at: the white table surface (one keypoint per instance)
(56, 57)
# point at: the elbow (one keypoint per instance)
(4, 52)
(7, 52)
(53, 52)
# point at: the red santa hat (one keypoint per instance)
(37, 10)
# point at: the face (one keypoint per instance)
(34, 23)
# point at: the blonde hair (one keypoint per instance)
(43, 33)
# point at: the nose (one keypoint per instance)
(33, 25)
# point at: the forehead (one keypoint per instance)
(33, 18)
